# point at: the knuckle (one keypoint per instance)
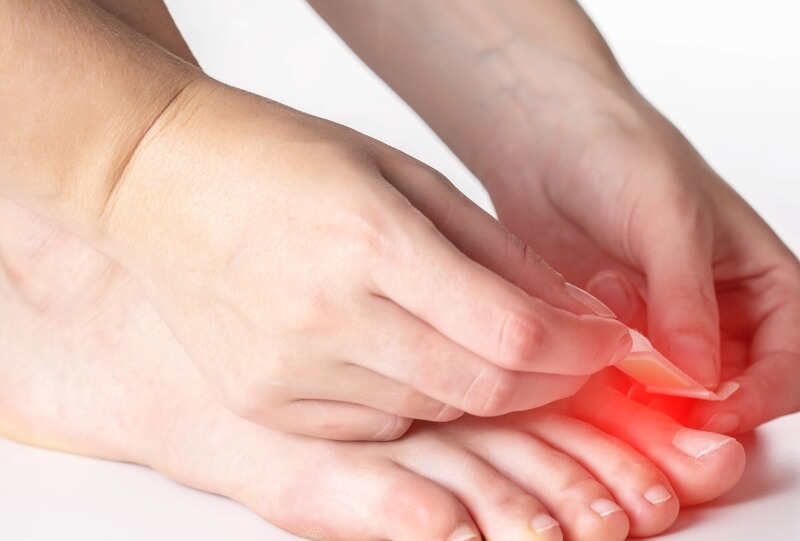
(491, 393)
(692, 293)
(382, 231)
(317, 313)
(520, 339)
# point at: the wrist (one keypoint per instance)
(79, 90)
(116, 145)
(149, 176)
(554, 105)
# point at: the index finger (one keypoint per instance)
(425, 274)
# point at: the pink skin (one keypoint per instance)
(90, 368)
(663, 241)
(285, 252)
(109, 380)
(759, 350)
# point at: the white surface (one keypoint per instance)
(727, 72)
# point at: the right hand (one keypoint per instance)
(326, 284)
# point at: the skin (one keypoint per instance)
(109, 380)
(113, 383)
(390, 282)
(576, 161)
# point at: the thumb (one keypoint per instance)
(617, 291)
(682, 313)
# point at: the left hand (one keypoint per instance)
(596, 180)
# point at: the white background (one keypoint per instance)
(726, 72)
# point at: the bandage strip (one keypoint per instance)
(659, 376)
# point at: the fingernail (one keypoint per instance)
(589, 301)
(609, 285)
(698, 444)
(625, 346)
(657, 494)
(543, 522)
(695, 356)
(463, 533)
(605, 507)
(723, 422)
(639, 341)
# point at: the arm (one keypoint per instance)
(78, 92)
(582, 168)
(530, 97)
(318, 278)
(462, 64)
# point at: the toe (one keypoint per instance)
(350, 491)
(582, 505)
(413, 507)
(700, 465)
(500, 507)
(633, 480)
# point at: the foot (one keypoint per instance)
(91, 369)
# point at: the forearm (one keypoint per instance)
(79, 90)
(464, 65)
(152, 19)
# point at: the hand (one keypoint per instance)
(758, 294)
(326, 284)
(599, 181)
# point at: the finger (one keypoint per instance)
(482, 238)
(352, 383)
(407, 350)
(338, 421)
(766, 363)
(682, 307)
(769, 388)
(619, 293)
(479, 310)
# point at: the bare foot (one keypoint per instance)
(90, 368)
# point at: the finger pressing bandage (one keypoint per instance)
(659, 376)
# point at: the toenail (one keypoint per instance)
(463, 533)
(698, 444)
(605, 507)
(543, 522)
(723, 422)
(657, 494)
